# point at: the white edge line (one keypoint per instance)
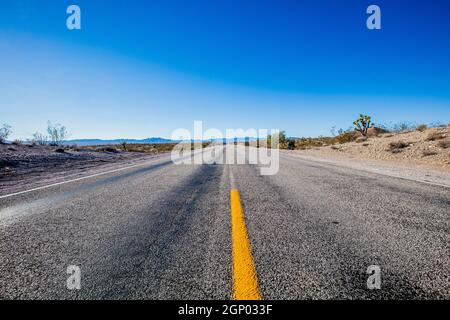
(90, 176)
(80, 178)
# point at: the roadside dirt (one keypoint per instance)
(24, 167)
(429, 149)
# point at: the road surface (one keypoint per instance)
(165, 231)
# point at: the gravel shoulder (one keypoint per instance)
(398, 169)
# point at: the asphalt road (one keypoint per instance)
(163, 231)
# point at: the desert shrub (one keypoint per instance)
(141, 147)
(107, 149)
(398, 146)
(346, 137)
(437, 124)
(444, 144)
(428, 152)
(60, 150)
(57, 133)
(17, 142)
(40, 138)
(283, 141)
(399, 127)
(362, 124)
(422, 127)
(436, 136)
(5, 132)
(306, 143)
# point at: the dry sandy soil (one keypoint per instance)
(429, 149)
(24, 167)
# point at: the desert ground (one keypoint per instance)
(28, 166)
(429, 149)
(410, 153)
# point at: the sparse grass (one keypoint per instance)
(137, 147)
(427, 153)
(307, 143)
(422, 127)
(398, 146)
(107, 149)
(444, 144)
(436, 136)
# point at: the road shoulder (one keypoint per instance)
(398, 170)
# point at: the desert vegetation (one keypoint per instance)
(5, 132)
(427, 144)
(56, 140)
(362, 124)
(444, 144)
(363, 129)
(398, 146)
(139, 147)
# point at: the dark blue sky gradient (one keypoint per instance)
(311, 47)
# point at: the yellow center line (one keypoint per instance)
(245, 281)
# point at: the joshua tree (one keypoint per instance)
(362, 124)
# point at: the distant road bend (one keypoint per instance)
(166, 231)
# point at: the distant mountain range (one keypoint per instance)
(154, 140)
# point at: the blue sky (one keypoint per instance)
(145, 68)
